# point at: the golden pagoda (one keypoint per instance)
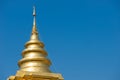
(35, 65)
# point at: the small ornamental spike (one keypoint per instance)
(34, 30)
(34, 35)
(34, 12)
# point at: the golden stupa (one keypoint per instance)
(34, 65)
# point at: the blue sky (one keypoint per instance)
(82, 37)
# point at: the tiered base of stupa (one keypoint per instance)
(22, 75)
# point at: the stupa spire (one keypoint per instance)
(34, 64)
(34, 56)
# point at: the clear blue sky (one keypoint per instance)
(82, 37)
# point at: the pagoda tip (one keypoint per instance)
(34, 30)
(34, 11)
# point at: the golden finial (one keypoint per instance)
(34, 30)
(34, 35)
